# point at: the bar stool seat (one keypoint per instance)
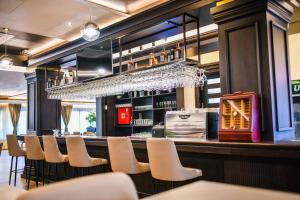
(97, 161)
(143, 167)
(15, 151)
(53, 154)
(122, 157)
(35, 155)
(165, 164)
(78, 155)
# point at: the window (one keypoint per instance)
(78, 121)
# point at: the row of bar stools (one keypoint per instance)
(78, 155)
(164, 162)
(15, 151)
(53, 156)
(35, 155)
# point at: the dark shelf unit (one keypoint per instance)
(154, 113)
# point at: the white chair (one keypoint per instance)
(165, 164)
(122, 157)
(109, 186)
(35, 155)
(78, 154)
(15, 151)
(53, 154)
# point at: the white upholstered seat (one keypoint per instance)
(164, 161)
(122, 157)
(78, 155)
(109, 186)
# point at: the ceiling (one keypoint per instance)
(12, 83)
(41, 24)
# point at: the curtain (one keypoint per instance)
(66, 111)
(14, 110)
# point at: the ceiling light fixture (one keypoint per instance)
(5, 59)
(90, 31)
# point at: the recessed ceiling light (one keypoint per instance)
(69, 24)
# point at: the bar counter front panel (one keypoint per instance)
(267, 165)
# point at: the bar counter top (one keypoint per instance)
(283, 149)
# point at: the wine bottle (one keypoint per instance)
(177, 52)
(172, 54)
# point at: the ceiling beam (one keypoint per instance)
(110, 8)
(295, 2)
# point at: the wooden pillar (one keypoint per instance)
(43, 114)
(254, 57)
(99, 116)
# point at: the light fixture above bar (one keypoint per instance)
(165, 77)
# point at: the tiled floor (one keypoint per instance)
(5, 160)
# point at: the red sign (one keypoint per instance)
(124, 115)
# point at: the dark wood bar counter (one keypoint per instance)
(267, 165)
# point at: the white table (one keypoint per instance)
(204, 190)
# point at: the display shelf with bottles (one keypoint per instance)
(148, 109)
(150, 58)
(61, 78)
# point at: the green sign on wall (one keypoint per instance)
(296, 87)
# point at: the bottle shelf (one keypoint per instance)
(171, 108)
(123, 126)
(143, 125)
(142, 110)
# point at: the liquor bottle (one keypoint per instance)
(49, 83)
(56, 81)
(177, 52)
(130, 65)
(71, 77)
(151, 59)
(172, 54)
(163, 56)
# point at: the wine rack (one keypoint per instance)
(239, 117)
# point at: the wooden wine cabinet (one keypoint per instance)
(239, 118)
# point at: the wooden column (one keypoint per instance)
(254, 57)
(43, 114)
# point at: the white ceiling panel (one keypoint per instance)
(12, 83)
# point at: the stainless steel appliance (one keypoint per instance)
(202, 123)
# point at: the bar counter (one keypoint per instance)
(266, 164)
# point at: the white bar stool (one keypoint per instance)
(165, 164)
(78, 154)
(14, 150)
(122, 157)
(35, 154)
(108, 186)
(53, 155)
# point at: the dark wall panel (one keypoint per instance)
(281, 75)
(240, 44)
(31, 106)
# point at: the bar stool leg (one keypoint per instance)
(56, 172)
(16, 167)
(49, 170)
(73, 172)
(10, 172)
(65, 171)
(29, 175)
(43, 172)
(37, 175)
(25, 168)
